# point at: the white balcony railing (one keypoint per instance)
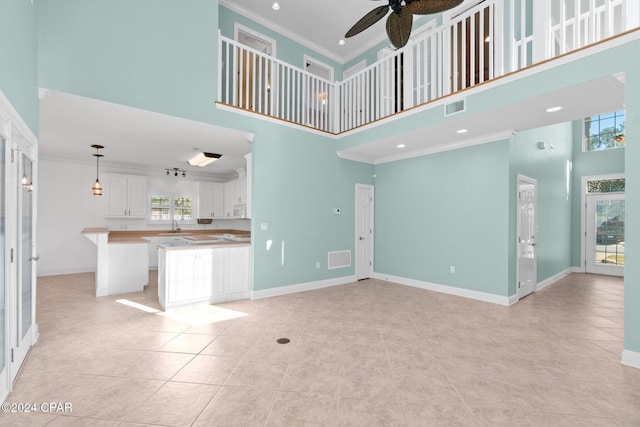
(469, 49)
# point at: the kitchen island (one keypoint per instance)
(207, 270)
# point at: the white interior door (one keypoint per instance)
(364, 231)
(23, 297)
(605, 222)
(527, 230)
(4, 381)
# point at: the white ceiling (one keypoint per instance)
(134, 138)
(595, 97)
(317, 24)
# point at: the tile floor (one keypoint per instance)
(363, 354)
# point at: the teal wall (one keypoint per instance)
(19, 45)
(287, 50)
(445, 209)
(297, 182)
(604, 162)
(551, 168)
(159, 55)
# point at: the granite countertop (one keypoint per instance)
(200, 235)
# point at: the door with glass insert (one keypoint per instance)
(24, 258)
(4, 387)
(605, 222)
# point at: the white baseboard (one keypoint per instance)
(451, 290)
(631, 358)
(553, 279)
(64, 272)
(578, 270)
(301, 287)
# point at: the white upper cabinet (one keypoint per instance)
(210, 200)
(126, 196)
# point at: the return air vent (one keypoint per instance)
(454, 107)
(339, 259)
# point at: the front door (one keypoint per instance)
(4, 383)
(527, 226)
(364, 231)
(605, 218)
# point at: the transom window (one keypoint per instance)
(169, 207)
(604, 131)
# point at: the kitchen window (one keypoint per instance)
(166, 208)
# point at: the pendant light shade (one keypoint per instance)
(97, 187)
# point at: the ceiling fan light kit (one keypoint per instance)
(400, 21)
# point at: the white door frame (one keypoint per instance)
(369, 271)
(583, 216)
(525, 179)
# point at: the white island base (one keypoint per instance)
(195, 274)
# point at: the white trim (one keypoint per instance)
(237, 28)
(445, 289)
(9, 113)
(553, 279)
(301, 287)
(630, 358)
(307, 59)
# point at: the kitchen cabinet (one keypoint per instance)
(153, 247)
(202, 274)
(126, 196)
(210, 199)
(235, 193)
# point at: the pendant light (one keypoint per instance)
(97, 187)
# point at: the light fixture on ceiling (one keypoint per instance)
(202, 159)
(554, 109)
(97, 187)
(462, 130)
(341, 42)
(175, 172)
(401, 146)
(275, 6)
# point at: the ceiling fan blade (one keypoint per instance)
(427, 7)
(399, 27)
(368, 20)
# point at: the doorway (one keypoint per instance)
(526, 266)
(364, 231)
(605, 221)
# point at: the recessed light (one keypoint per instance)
(462, 130)
(554, 109)
(401, 146)
(275, 6)
(341, 42)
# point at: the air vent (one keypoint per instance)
(339, 259)
(454, 107)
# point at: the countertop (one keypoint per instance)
(138, 236)
(170, 246)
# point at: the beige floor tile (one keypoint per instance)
(312, 377)
(175, 404)
(256, 373)
(304, 409)
(188, 343)
(70, 421)
(22, 419)
(231, 346)
(238, 406)
(205, 369)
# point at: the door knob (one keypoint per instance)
(361, 238)
(34, 258)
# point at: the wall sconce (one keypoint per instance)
(97, 187)
(175, 171)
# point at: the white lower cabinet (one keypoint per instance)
(204, 274)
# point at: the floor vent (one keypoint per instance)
(454, 107)
(339, 259)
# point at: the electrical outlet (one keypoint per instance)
(317, 264)
(452, 269)
(264, 226)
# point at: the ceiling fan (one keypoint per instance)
(401, 18)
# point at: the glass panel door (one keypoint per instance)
(3, 275)
(605, 234)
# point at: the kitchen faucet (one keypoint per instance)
(174, 226)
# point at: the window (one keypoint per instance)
(604, 131)
(169, 207)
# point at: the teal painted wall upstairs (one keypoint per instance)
(19, 47)
(158, 55)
